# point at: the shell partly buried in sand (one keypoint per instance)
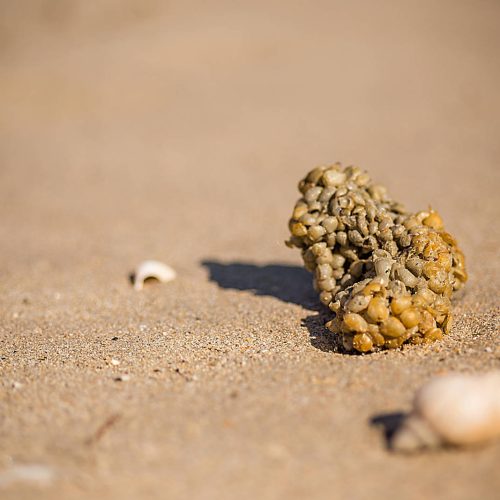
(152, 269)
(456, 410)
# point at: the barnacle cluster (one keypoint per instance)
(387, 274)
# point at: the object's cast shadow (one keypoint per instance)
(286, 282)
(389, 423)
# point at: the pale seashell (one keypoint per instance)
(152, 269)
(453, 410)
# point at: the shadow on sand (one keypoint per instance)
(286, 282)
(389, 423)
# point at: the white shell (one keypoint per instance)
(455, 410)
(152, 269)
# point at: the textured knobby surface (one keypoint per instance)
(387, 275)
(179, 134)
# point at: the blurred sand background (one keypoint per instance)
(178, 131)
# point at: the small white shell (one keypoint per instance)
(454, 410)
(152, 269)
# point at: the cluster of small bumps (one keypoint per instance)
(387, 274)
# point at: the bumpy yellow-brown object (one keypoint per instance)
(386, 274)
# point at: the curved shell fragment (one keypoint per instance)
(152, 269)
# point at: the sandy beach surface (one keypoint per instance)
(178, 131)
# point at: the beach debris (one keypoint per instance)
(102, 429)
(386, 274)
(125, 377)
(454, 410)
(40, 475)
(152, 269)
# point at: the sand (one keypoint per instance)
(179, 133)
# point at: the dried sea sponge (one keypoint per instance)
(387, 274)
